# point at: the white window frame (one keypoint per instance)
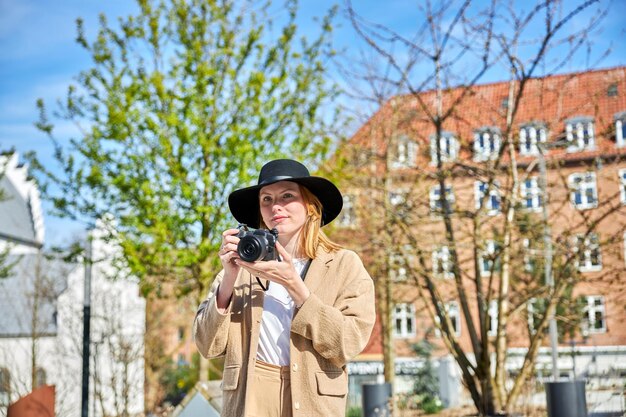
(529, 136)
(591, 310)
(486, 265)
(583, 184)
(405, 155)
(622, 185)
(448, 148)
(620, 130)
(405, 312)
(347, 217)
(400, 263)
(494, 197)
(531, 192)
(398, 198)
(588, 245)
(530, 255)
(454, 314)
(434, 199)
(492, 316)
(580, 134)
(397, 270)
(441, 256)
(487, 142)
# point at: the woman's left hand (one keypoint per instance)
(281, 272)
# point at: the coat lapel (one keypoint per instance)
(318, 269)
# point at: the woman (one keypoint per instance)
(287, 327)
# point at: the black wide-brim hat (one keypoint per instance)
(244, 203)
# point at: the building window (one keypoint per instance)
(435, 200)
(531, 194)
(487, 143)
(492, 201)
(622, 185)
(580, 134)
(455, 316)
(489, 258)
(453, 312)
(583, 190)
(620, 129)
(181, 334)
(5, 386)
(492, 325)
(448, 148)
(40, 377)
(347, 217)
(405, 153)
(529, 136)
(399, 200)
(530, 255)
(442, 263)
(404, 320)
(588, 258)
(397, 267)
(595, 313)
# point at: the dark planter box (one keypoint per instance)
(376, 400)
(566, 399)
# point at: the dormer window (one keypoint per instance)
(404, 153)
(620, 129)
(448, 148)
(580, 134)
(529, 136)
(487, 143)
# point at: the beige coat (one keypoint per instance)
(331, 327)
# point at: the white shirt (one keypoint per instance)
(278, 308)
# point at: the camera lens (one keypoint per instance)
(251, 249)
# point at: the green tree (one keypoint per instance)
(184, 102)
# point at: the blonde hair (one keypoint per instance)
(312, 234)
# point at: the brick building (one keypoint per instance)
(578, 123)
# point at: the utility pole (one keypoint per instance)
(86, 327)
(547, 240)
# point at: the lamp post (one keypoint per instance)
(86, 328)
(547, 240)
(563, 398)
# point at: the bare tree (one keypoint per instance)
(484, 254)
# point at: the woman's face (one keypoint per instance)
(283, 208)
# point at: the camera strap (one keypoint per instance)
(303, 273)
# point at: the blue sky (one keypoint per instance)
(39, 58)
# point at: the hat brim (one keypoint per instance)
(244, 203)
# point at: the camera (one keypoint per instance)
(257, 245)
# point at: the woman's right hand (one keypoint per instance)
(228, 254)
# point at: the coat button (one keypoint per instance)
(294, 367)
(296, 405)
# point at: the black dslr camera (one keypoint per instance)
(257, 245)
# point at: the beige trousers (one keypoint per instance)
(271, 391)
